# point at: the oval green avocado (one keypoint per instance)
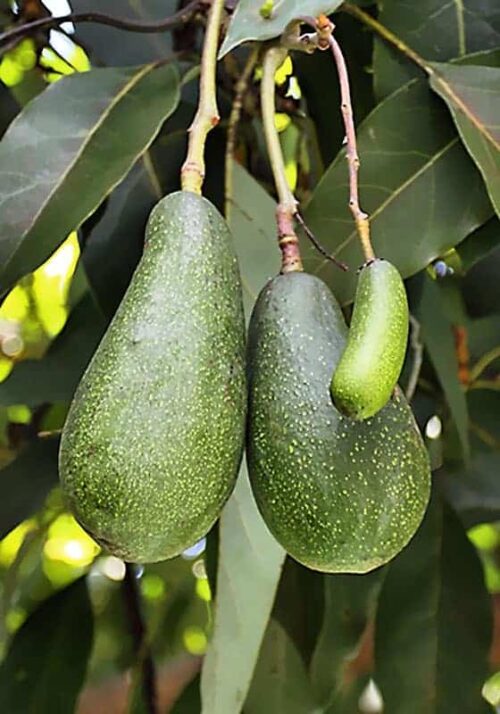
(373, 358)
(340, 495)
(153, 440)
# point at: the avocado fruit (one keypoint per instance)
(153, 440)
(370, 366)
(340, 495)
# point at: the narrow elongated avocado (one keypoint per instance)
(373, 358)
(153, 440)
(340, 495)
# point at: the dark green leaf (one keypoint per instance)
(480, 243)
(70, 147)
(116, 47)
(417, 182)
(113, 246)
(55, 377)
(350, 602)
(26, 482)
(474, 491)
(473, 98)
(280, 684)
(46, 663)
(436, 29)
(482, 287)
(249, 24)
(434, 622)
(249, 568)
(437, 335)
(189, 702)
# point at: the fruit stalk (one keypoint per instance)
(207, 115)
(360, 217)
(287, 206)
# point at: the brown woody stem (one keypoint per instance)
(360, 217)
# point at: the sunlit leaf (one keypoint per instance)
(65, 152)
(263, 19)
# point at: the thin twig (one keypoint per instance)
(418, 358)
(317, 244)
(232, 129)
(169, 23)
(483, 363)
(207, 115)
(360, 217)
(287, 205)
(142, 652)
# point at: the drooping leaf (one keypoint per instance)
(350, 602)
(437, 335)
(65, 152)
(423, 193)
(249, 567)
(115, 47)
(55, 377)
(250, 22)
(280, 683)
(26, 482)
(437, 30)
(473, 98)
(481, 286)
(253, 226)
(433, 625)
(45, 666)
(113, 246)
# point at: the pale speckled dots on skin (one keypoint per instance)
(153, 440)
(370, 367)
(338, 494)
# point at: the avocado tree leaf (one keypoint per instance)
(350, 602)
(252, 220)
(480, 243)
(117, 48)
(433, 626)
(437, 29)
(26, 482)
(481, 287)
(113, 245)
(67, 150)
(473, 98)
(249, 568)
(474, 490)
(437, 335)
(45, 665)
(423, 193)
(280, 683)
(250, 22)
(55, 377)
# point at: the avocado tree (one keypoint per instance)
(249, 334)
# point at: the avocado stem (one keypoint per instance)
(287, 206)
(360, 217)
(207, 115)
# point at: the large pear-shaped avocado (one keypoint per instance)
(340, 495)
(154, 436)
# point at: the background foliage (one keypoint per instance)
(94, 124)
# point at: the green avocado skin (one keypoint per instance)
(373, 358)
(153, 440)
(340, 495)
